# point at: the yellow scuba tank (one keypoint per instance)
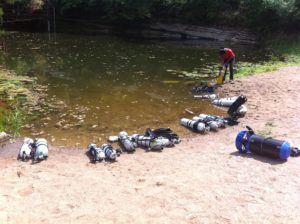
(221, 75)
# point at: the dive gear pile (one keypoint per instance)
(35, 150)
(206, 122)
(235, 104)
(204, 89)
(105, 151)
(153, 139)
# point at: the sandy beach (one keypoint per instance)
(201, 180)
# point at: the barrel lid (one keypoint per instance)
(239, 142)
(285, 151)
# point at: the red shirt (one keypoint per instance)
(228, 54)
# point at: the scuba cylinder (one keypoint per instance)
(224, 102)
(211, 124)
(109, 152)
(195, 125)
(26, 149)
(233, 109)
(126, 141)
(164, 142)
(96, 153)
(208, 117)
(165, 134)
(148, 142)
(206, 97)
(41, 151)
(248, 141)
(241, 111)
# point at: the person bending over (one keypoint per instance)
(228, 57)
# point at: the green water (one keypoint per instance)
(105, 84)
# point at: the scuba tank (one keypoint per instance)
(233, 109)
(241, 111)
(26, 149)
(195, 125)
(208, 117)
(213, 125)
(109, 152)
(165, 134)
(126, 141)
(206, 97)
(248, 141)
(96, 153)
(224, 102)
(41, 150)
(148, 142)
(164, 142)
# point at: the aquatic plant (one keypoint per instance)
(14, 120)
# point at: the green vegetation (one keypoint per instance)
(14, 92)
(14, 120)
(267, 131)
(285, 52)
(263, 15)
(264, 133)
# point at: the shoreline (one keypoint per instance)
(201, 180)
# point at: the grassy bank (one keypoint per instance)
(285, 51)
(16, 97)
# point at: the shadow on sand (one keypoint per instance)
(260, 158)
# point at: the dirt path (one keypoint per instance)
(201, 180)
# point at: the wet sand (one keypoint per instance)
(202, 180)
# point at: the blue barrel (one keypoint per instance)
(248, 142)
(241, 141)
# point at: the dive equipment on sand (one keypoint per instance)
(241, 111)
(224, 102)
(233, 109)
(109, 152)
(213, 125)
(41, 150)
(164, 133)
(195, 125)
(220, 120)
(26, 151)
(204, 89)
(148, 142)
(126, 141)
(96, 153)
(248, 141)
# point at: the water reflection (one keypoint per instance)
(105, 84)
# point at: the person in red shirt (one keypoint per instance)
(228, 57)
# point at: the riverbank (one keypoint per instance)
(21, 98)
(284, 51)
(201, 180)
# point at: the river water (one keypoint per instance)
(106, 84)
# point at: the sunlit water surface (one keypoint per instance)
(105, 84)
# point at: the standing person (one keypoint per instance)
(228, 57)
